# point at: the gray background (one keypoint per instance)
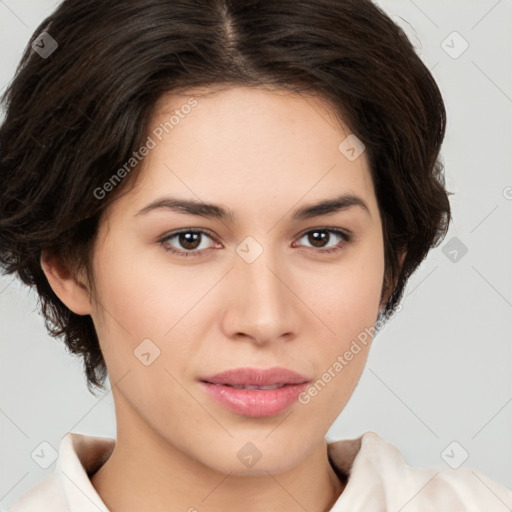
(439, 372)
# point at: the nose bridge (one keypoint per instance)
(262, 273)
(261, 304)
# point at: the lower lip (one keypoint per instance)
(255, 402)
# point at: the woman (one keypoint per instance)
(214, 201)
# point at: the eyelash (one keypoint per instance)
(346, 238)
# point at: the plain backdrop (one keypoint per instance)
(438, 380)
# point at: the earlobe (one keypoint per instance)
(65, 284)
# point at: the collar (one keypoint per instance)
(377, 478)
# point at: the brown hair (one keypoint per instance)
(73, 117)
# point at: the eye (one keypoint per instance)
(190, 240)
(319, 236)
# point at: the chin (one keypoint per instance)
(245, 459)
(261, 468)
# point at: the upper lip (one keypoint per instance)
(256, 377)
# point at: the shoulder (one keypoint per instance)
(379, 476)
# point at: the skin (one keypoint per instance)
(262, 153)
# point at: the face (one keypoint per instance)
(259, 286)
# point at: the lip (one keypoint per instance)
(256, 377)
(255, 402)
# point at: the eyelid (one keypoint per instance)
(340, 231)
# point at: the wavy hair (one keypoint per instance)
(73, 117)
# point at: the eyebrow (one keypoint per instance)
(209, 210)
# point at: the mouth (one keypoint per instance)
(241, 386)
(254, 392)
(257, 377)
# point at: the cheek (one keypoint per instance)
(350, 303)
(138, 295)
(350, 308)
(348, 295)
(144, 298)
(127, 305)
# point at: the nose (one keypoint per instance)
(261, 304)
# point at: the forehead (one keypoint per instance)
(248, 147)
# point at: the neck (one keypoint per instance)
(146, 472)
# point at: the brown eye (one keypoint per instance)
(320, 238)
(188, 242)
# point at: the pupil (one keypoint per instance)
(317, 237)
(189, 240)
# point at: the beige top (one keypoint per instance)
(379, 480)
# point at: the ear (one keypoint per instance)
(64, 283)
